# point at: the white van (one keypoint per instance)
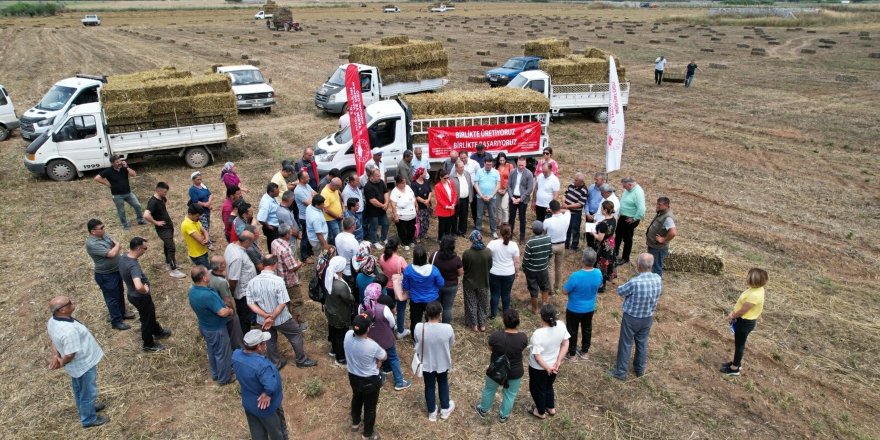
(250, 88)
(8, 120)
(81, 89)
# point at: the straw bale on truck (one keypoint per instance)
(281, 16)
(590, 68)
(168, 95)
(403, 60)
(475, 102)
(270, 7)
(547, 48)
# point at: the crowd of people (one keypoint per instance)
(245, 296)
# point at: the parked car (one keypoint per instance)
(69, 92)
(391, 9)
(8, 120)
(252, 91)
(91, 20)
(500, 76)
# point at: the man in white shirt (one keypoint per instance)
(546, 189)
(347, 247)
(376, 161)
(609, 195)
(659, 67)
(463, 185)
(75, 349)
(419, 161)
(471, 167)
(556, 227)
(240, 270)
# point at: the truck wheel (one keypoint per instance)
(348, 174)
(61, 170)
(345, 108)
(197, 157)
(601, 115)
(4, 133)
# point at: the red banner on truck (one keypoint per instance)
(358, 126)
(513, 138)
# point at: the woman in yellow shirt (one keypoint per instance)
(744, 317)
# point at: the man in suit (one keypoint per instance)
(521, 183)
(464, 187)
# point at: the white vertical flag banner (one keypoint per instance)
(616, 126)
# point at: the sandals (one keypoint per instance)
(533, 414)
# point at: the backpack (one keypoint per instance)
(499, 370)
(316, 290)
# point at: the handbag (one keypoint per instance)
(417, 357)
(499, 370)
(397, 286)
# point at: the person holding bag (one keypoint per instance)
(380, 307)
(423, 282)
(509, 343)
(393, 264)
(434, 342)
(549, 344)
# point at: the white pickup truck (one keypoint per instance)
(583, 98)
(332, 97)
(81, 89)
(91, 20)
(443, 8)
(81, 142)
(8, 120)
(391, 9)
(262, 15)
(392, 130)
(250, 88)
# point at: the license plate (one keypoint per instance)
(319, 105)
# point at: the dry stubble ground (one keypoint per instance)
(771, 159)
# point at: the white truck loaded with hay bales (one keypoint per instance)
(396, 66)
(250, 88)
(8, 120)
(81, 89)
(513, 121)
(143, 115)
(573, 83)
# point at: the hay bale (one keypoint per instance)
(694, 257)
(547, 48)
(619, 42)
(808, 51)
(757, 51)
(488, 101)
(874, 55)
(483, 52)
(717, 66)
(395, 40)
(654, 41)
(489, 63)
(709, 50)
(477, 79)
(413, 61)
(743, 46)
(846, 78)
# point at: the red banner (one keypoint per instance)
(356, 112)
(511, 138)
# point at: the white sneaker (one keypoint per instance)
(432, 417)
(378, 246)
(403, 334)
(444, 413)
(176, 274)
(494, 235)
(406, 248)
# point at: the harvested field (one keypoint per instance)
(772, 160)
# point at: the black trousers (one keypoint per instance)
(461, 214)
(446, 226)
(271, 234)
(518, 210)
(147, 311)
(743, 328)
(337, 338)
(541, 389)
(416, 315)
(474, 208)
(624, 236)
(540, 213)
(167, 237)
(364, 400)
(245, 315)
(658, 76)
(406, 229)
(573, 320)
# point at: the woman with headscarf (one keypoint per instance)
(230, 178)
(422, 189)
(200, 195)
(476, 261)
(338, 306)
(365, 265)
(382, 332)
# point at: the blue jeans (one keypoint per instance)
(201, 260)
(688, 80)
(633, 330)
(333, 229)
(219, 354)
(482, 206)
(371, 224)
(85, 392)
(499, 287)
(433, 381)
(132, 200)
(393, 361)
(573, 236)
(401, 316)
(447, 299)
(508, 395)
(114, 294)
(659, 256)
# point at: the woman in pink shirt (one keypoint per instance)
(548, 157)
(393, 264)
(230, 177)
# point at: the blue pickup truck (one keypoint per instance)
(500, 76)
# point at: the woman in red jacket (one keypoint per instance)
(444, 209)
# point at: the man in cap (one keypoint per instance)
(75, 349)
(106, 253)
(211, 314)
(362, 359)
(261, 389)
(376, 161)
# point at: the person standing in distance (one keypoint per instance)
(116, 177)
(691, 71)
(659, 67)
(660, 232)
(106, 253)
(640, 296)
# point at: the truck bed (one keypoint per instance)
(405, 88)
(144, 141)
(582, 96)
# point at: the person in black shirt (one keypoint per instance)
(116, 177)
(375, 208)
(691, 71)
(157, 214)
(509, 342)
(307, 164)
(141, 295)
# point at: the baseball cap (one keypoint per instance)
(362, 322)
(255, 337)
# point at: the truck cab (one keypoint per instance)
(75, 144)
(500, 76)
(64, 95)
(250, 88)
(589, 99)
(8, 120)
(332, 96)
(388, 126)
(262, 15)
(91, 20)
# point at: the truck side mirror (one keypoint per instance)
(56, 137)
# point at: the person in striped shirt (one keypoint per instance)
(536, 265)
(574, 201)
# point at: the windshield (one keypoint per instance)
(344, 136)
(514, 64)
(338, 78)
(56, 98)
(246, 77)
(518, 82)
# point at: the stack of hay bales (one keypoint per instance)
(590, 68)
(547, 48)
(502, 100)
(270, 7)
(403, 60)
(159, 98)
(280, 16)
(690, 256)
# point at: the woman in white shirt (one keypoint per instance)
(434, 342)
(549, 345)
(505, 260)
(404, 211)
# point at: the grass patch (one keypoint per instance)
(22, 9)
(313, 387)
